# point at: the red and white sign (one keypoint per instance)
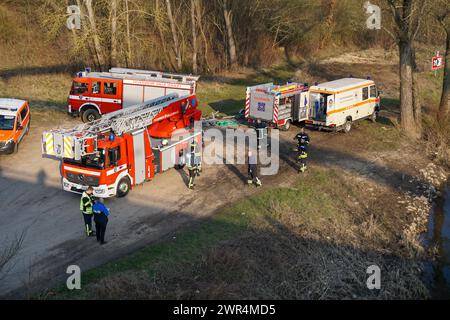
(436, 63)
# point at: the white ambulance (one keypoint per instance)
(337, 104)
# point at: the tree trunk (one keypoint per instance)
(173, 28)
(228, 15)
(408, 122)
(129, 52)
(194, 38)
(95, 37)
(158, 23)
(329, 23)
(199, 9)
(417, 104)
(113, 59)
(444, 106)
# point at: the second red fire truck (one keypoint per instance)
(94, 94)
(125, 148)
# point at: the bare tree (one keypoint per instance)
(228, 16)
(176, 42)
(200, 13)
(329, 22)
(94, 33)
(194, 37)
(128, 34)
(407, 15)
(113, 17)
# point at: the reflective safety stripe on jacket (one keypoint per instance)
(303, 155)
(192, 160)
(86, 208)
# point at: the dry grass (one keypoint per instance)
(437, 134)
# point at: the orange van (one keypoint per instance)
(14, 124)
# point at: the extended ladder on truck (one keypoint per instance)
(82, 140)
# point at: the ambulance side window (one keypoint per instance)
(365, 93)
(373, 91)
(110, 88)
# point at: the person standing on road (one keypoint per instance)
(302, 149)
(193, 161)
(86, 204)
(253, 170)
(101, 214)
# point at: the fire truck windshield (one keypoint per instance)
(92, 161)
(79, 87)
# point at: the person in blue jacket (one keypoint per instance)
(101, 213)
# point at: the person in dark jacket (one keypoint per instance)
(302, 149)
(101, 214)
(253, 170)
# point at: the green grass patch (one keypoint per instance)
(228, 96)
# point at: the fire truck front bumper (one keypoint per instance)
(102, 191)
(72, 112)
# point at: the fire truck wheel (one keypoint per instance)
(123, 187)
(286, 126)
(90, 115)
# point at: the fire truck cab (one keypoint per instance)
(94, 94)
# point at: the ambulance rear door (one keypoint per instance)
(303, 106)
(261, 104)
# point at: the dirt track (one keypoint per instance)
(32, 200)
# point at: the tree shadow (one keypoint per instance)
(229, 107)
(6, 74)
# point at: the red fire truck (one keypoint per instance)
(124, 148)
(96, 93)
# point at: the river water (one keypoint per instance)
(437, 274)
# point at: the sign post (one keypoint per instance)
(436, 63)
